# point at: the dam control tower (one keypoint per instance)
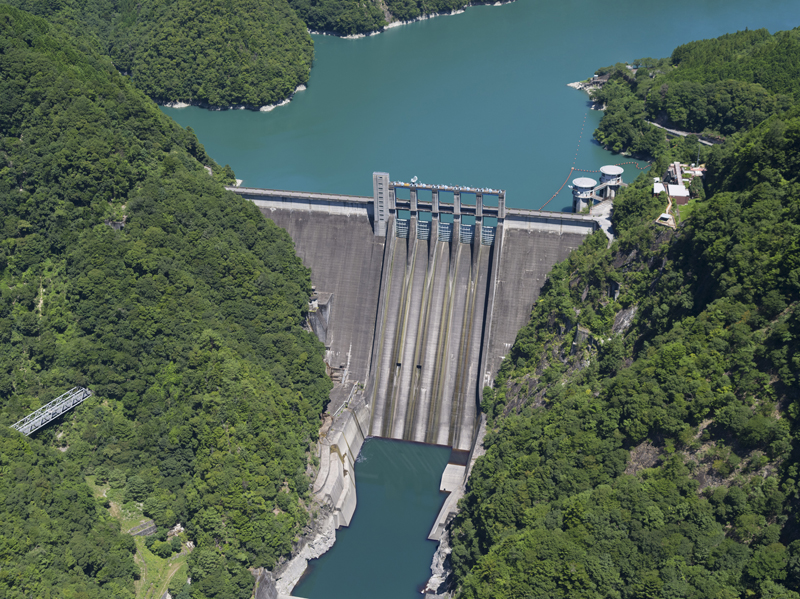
(582, 191)
(587, 192)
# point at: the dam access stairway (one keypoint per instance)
(416, 307)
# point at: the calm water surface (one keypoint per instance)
(385, 553)
(475, 99)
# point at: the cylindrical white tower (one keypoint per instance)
(610, 172)
(582, 189)
(612, 175)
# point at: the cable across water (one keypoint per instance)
(583, 170)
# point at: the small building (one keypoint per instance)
(599, 81)
(582, 191)
(674, 173)
(679, 193)
(697, 170)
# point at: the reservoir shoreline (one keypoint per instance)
(303, 86)
(206, 106)
(399, 23)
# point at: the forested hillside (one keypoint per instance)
(342, 17)
(187, 325)
(716, 87)
(251, 52)
(643, 432)
(219, 53)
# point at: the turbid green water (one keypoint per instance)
(385, 553)
(477, 99)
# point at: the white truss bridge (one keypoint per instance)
(63, 403)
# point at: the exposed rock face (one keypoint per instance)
(265, 585)
(623, 319)
(320, 543)
(439, 583)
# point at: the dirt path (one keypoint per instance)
(173, 569)
(139, 584)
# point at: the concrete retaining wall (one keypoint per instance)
(335, 485)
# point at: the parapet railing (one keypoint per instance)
(63, 403)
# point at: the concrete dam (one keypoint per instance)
(417, 310)
(418, 313)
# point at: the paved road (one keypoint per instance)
(680, 133)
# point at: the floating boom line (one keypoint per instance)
(63, 403)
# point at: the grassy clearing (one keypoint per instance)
(686, 210)
(155, 573)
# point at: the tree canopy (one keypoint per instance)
(211, 52)
(187, 324)
(717, 87)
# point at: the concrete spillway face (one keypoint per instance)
(429, 338)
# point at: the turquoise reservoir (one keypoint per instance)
(477, 99)
(385, 553)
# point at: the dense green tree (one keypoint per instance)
(176, 322)
(248, 52)
(343, 17)
(717, 87)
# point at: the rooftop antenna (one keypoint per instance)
(414, 179)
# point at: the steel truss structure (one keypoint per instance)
(51, 411)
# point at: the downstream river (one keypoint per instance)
(475, 99)
(385, 553)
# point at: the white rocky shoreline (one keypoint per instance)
(202, 104)
(399, 23)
